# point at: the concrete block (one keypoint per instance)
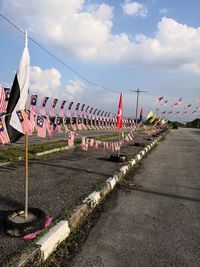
(93, 199)
(53, 238)
(124, 169)
(78, 216)
(112, 182)
(105, 190)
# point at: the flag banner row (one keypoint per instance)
(160, 100)
(43, 125)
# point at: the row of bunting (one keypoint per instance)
(160, 100)
(85, 111)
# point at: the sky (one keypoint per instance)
(120, 45)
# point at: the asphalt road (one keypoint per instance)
(157, 224)
(57, 183)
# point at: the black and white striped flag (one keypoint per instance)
(18, 96)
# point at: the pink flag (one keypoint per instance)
(4, 138)
(76, 109)
(164, 102)
(177, 103)
(26, 126)
(84, 144)
(159, 99)
(43, 106)
(92, 142)
(79, 125)
(96, 145)
(52, 109)
(73, 125)
(31, 118)
(59, 124)
(65, 123)
(61, 112)
(69, 109)
(41, 126)
(71, 138)
(33, 104)
(4, 97)
(86, 110)
(50, 128)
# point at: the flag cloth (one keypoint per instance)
(43, 106)
(18, 97)
(4, 97)
(69, 109)
(41, 126)
(141, 113)
(71, 138)
(149, 116)
(58, 122)
(50, 128)
(4, 138)
(33, 103)
(119, 115)
(61, 112)
(31, 118)
(23, 118)
(52, 109)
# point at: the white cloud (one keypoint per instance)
(134, 9)
(163, 11)
(74, 87)
(45, 82)
(85, 32)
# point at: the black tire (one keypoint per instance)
(118, 158)
(139, 144)
(21, 229)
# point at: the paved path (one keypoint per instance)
(57, 183)
(159, 223)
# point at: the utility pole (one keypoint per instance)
(138, 91)
(157, 109)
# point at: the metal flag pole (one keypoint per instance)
(26, 156)
(119, 146)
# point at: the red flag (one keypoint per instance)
(141, 113)
(119, 114)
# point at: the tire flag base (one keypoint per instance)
(15, 223)
(118, 158)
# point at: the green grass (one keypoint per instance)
(13, 153)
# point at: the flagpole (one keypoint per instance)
(26, 172)
(119, 146)
(26, 152)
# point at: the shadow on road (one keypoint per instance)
(168, 195)
(71, 168)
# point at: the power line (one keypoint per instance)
(57, 58)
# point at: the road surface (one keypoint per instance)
(57, 183)
(157, 224)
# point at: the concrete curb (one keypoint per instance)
(61, 231)
(39, 154)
